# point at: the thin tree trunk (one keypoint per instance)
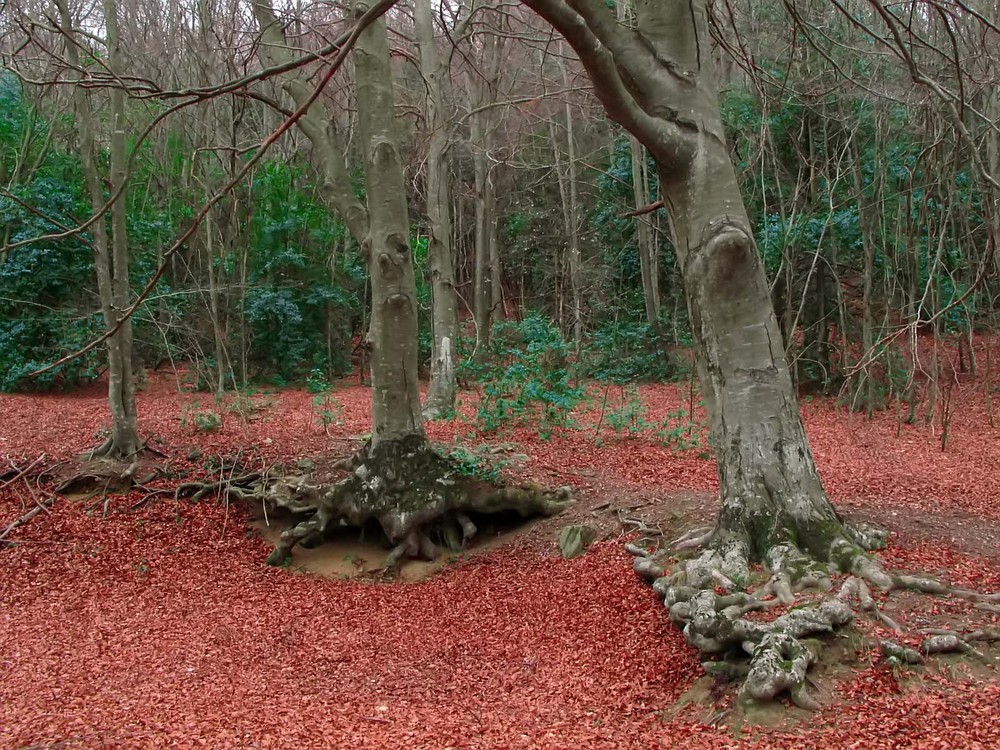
(111, 252)
(486, 267)
(444, 318)
(867, 326)
(218, 335)
(485, 219)
(573, 222)
(127, 437)
(644, 235)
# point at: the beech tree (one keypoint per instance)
(655, 74)
(398, 478)
(443, 387)
(110, 248)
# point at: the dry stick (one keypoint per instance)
(363, 22)
(232, 470)
(40, 505)
(21, 472)
(604, 404)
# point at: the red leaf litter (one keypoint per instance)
(160, 627)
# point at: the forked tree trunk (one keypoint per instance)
(658, 80)
(444, 318)
(317, 125)
(393, 331)
(111, 251)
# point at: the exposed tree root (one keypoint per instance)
(413, 493)
(108, 467)
(708, 596)
(102, 475)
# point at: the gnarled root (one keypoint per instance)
(415, 495)
(708, 597)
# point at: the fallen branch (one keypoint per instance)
(21, 472)
(43, 505)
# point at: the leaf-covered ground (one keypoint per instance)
(160, 626)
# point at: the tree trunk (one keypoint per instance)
(482, 87)
(442, 388)
(111, 252)
(648, 265)
(658, 81)
(126, 433)
(393, 331)
(485, 219)
(218, 334)
(572, 214)
(867, 318)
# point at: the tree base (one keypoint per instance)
(415, 495)
(710, 594)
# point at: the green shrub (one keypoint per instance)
(200, 420)
(468, 463)
(626, 413)
(627, 352)
(526, 378)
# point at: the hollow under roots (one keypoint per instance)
(415, 494)
(708, 597)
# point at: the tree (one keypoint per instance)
(444, 317)
(397, 478)
(656, 77)
(110, 253)
(396, 415)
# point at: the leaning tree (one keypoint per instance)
(653, 70)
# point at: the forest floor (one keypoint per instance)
(127, 623)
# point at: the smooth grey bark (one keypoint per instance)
(443, 387)
(482, 296)
(218, 334)
(482, 88)
(648, 257)
(571, 220)
(110, 250)
(867, 394)
(657, 79)
(209, 63)
(396, 411)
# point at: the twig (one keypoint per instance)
(643, 210)
(43, 505)
(21, 472)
